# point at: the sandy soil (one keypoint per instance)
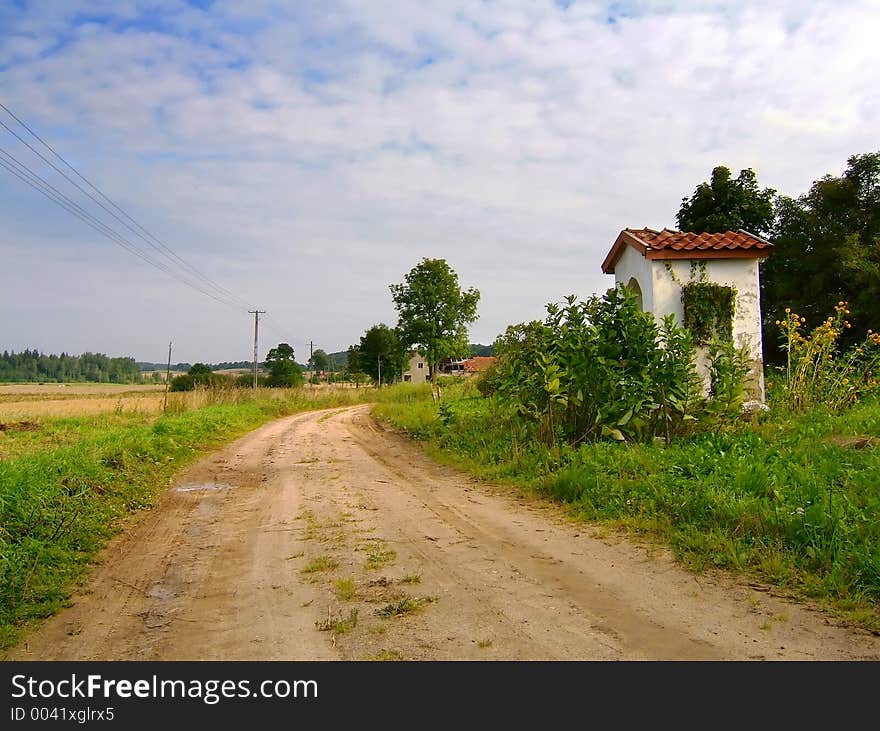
(220, 569)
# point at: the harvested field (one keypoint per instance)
(30, 408)
(21, 401)
(54, 390)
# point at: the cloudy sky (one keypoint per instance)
(305, 155)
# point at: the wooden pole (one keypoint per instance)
(167, 380)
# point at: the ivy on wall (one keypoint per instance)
(708, 310)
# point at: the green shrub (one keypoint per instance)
(600, 368)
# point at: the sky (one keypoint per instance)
(306, 155)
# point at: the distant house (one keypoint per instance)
(453, 366)
(416, 370)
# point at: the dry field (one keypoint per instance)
(19, 402)
(28, 400)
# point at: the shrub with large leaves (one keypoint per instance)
(600, 368)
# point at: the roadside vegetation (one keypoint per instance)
(596, 408)
(68, 484)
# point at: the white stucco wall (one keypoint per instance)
(661, 294)
(632, 265)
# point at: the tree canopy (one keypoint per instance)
(379, 347)
(728, 204)
(320, 361)
(32, 365)
(827, 249)
(283, 370)
(434, 312)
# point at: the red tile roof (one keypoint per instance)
(478, 363)
(669, 244)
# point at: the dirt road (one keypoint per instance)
(323, 536)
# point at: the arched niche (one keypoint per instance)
(633, 286)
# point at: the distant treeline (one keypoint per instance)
(338, 361)
(184, 367)
(32, 365)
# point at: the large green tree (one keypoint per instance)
(726, 203)
(434, 312)
(827, 249)
(320, 361)
(379, 351)
(283, 370)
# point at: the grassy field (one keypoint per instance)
(68, 481)
(793, 501)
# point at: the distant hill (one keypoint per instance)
(338, 361)
(477, 349)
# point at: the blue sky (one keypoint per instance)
(306, 155)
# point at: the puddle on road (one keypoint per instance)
(160, 591)
(199, 486)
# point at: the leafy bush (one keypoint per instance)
(600, 368)
(189, 382)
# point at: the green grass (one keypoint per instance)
(319, 564)
(338, 625)
(345, 590)
(378, 557)
(780, 499)
(405, 606)
(66, 487)
(386, 656)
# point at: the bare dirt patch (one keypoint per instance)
(19, 426)
(340, 540)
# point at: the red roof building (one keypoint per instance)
(668, 244)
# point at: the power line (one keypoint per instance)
(142, 232)
(191, 276)
(35, 181)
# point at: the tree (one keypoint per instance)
(727, 204)
(380, 348)
(200, 372)
(353, 364)
(283, 370)
(826, 249)
(320, 361)
(434, 312)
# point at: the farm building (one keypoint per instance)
(467, 366)
(416, 369)
(668, 271)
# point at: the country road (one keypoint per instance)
(325, 536)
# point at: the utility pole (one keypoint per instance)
(379, 365)
(256, 314)
(167, 379)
